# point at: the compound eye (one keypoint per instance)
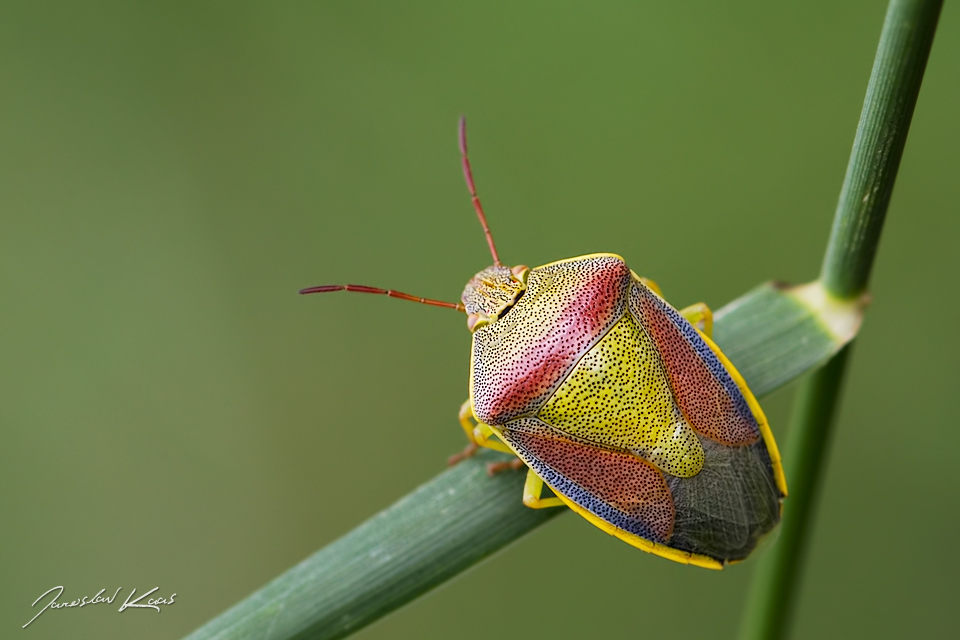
(474, 322)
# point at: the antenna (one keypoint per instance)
(473, 190)
(359, 288)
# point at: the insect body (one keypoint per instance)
(630, 414)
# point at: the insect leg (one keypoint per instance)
(484, 436)
(700, 316)
(467, 422)
(531, 493)
(510, 465)
(651, 285)
(479, 435)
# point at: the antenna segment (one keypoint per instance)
(473, 190)
(359, 288)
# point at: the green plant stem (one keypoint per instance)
(772, 336)
(898, 68)
(424, 539)
(881, 135)
(463, 516)
(774, 585)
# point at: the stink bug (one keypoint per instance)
(618, 402)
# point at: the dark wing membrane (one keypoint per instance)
(721, 513)
(725, 510)
(619, 488)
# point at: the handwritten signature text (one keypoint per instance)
(129, 603)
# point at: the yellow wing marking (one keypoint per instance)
(619, 397)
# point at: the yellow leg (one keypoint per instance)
(531, 493)
(467, 421)
(650, 284)
(479, 435)
(700, 316)
(484, 436)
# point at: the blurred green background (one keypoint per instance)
(174, 415)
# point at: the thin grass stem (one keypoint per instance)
(892, 92)
(898, 68)
(772, 335)
(463, 516)
(773, 592)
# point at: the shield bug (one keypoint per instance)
(622, 405)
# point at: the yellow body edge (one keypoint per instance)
(656, 548)
(662, 550)
(583, 257)
(765, 431)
